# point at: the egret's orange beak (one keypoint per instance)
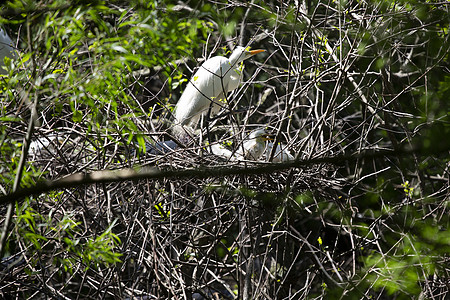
(253, 52)
(268, 137)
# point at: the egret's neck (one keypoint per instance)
(236, 57)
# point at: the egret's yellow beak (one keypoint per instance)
(268, 137)
(253, 52)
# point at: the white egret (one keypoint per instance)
(281, 153)
(6, 49)
(253, 148)
(220, 150)
(42, 144)
(209, 86)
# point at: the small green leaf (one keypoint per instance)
(77, 116)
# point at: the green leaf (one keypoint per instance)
(77, 116)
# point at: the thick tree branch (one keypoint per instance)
(108, 176)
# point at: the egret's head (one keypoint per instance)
(240, 54)
(260, 135)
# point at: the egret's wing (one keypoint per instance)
(220, 150)
(212, 78)
(252, 150)
(281, 153)
(205, 86)
(236, 75)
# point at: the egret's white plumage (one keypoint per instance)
(281, 153)
(213, 80)
(220, 150)
(254, 146)
(6, 49)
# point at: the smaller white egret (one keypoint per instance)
(253, 148)
(6, 49)
(281, 153)
(215, 78)
(41, 144)
(220, 150)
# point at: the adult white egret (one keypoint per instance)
(6, 49)
(209, 86)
